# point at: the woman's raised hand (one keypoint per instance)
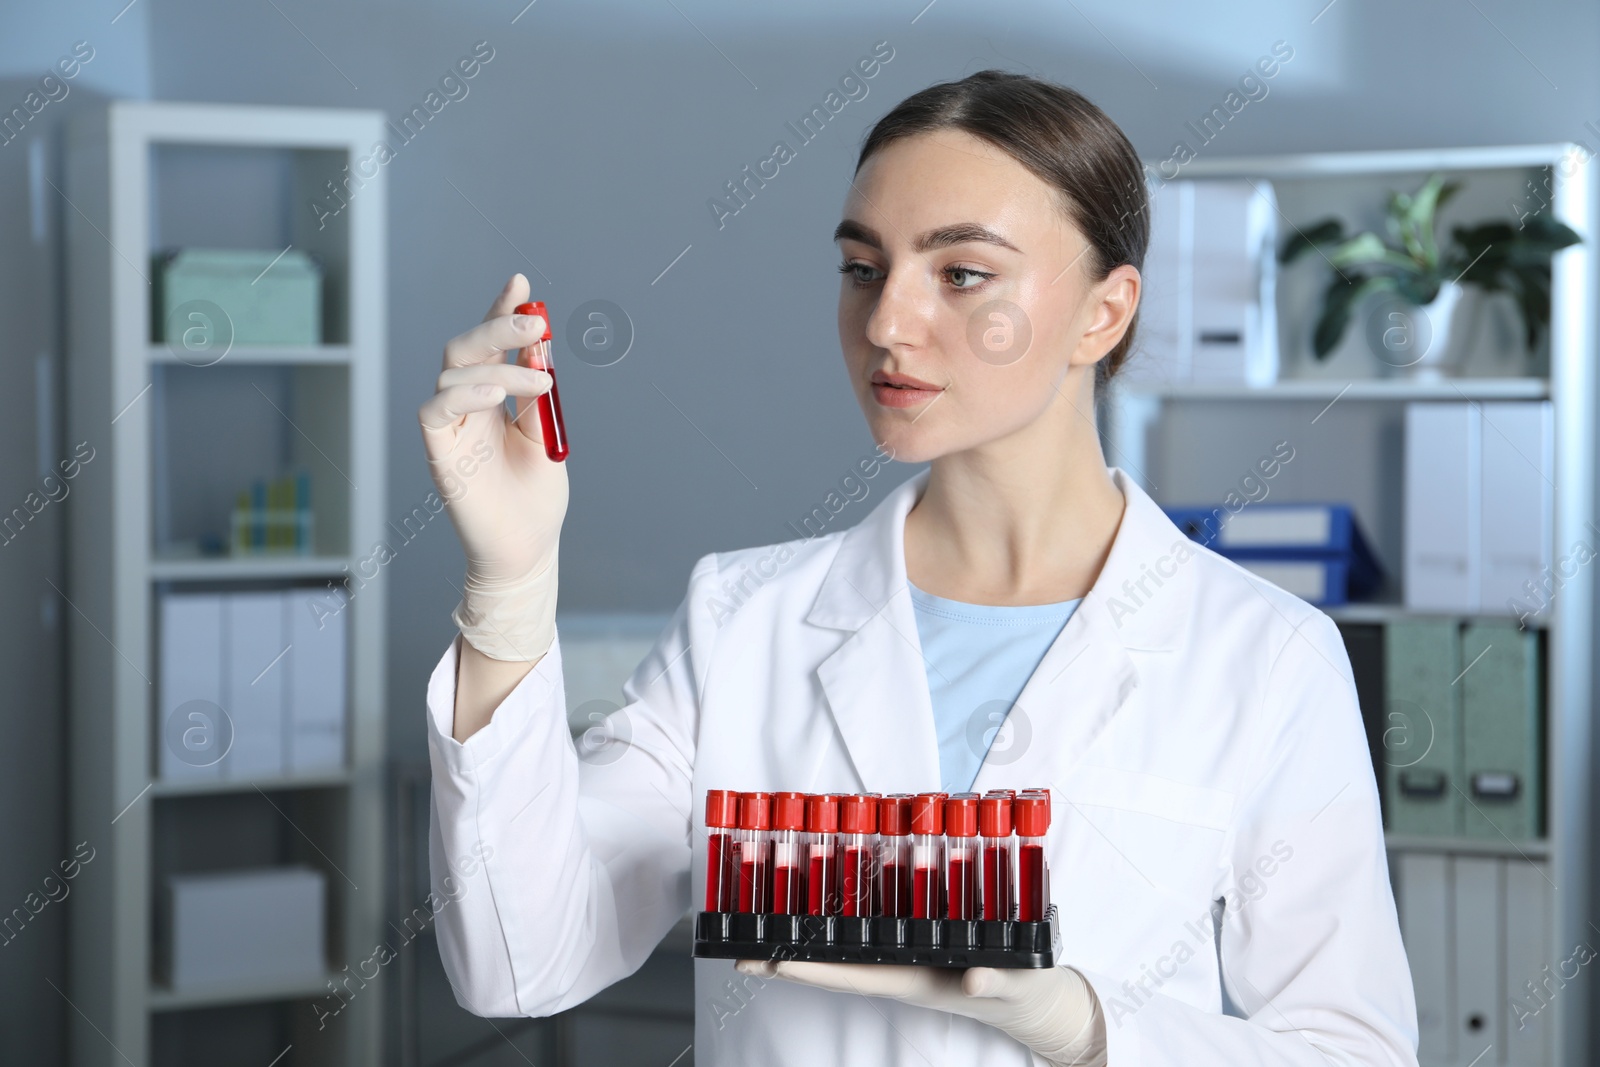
(506, 498)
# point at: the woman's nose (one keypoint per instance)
(900, 316)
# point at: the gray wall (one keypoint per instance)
(590, 144)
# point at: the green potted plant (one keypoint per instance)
(1411, 266)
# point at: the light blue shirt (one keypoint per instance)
(979, 658)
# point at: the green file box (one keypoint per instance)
(1422, 727)
(267, 299)
(1501, 738)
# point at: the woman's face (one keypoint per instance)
(965, 311)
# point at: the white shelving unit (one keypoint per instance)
(1345, 417)
(120, 378)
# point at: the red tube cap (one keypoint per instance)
(755, 811)
(927, 813)
(722, 808)
(858, 814)
(536, 308)
(789, 811)
(822, 814)
(994, 816)
(1032, 814)
(961, 815)
(894, 815)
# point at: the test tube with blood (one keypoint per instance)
(822, 870)
(858, 825)
(927, 855)
(755, 852)
(788, 853)
(960, 859)
(894, 856)
(537, 355)
(1031, 811)
(722, 820)
(994, 834)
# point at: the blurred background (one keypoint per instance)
(226, 580)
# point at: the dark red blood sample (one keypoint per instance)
(996, 882)
(786, 890)
(1032, 893)
(551, 425)
(895, 890)
(857, 871)
(963, 889)
(755, 886)
(719, 873)
(925, 893)
(820, 896)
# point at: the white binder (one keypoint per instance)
(1429, 932)
(1479, 964)
(191, 670)
(1208, 311)
(1533, 978)
(315, 621)
(1518, 492)
(1441, 507)
(255, 683)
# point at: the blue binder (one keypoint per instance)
(1325, 534)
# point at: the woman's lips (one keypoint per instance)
(892, 397)
(901, 391)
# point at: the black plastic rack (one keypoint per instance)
(839, 939)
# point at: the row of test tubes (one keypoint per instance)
(922, 856)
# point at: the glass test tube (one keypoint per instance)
(858, 825)
(960, 856)
(894, 856)
(994, 836)
(788, 853)
(722, 821)
(755, 852)
(822, 870)
(537, 355)
(1032, 815)
(927, 855)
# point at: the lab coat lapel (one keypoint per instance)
(875, 682)
(1140, 602)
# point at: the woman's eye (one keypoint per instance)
(966, 278)
(860, 274)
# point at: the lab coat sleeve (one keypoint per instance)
(1309, 943)
(555, 876)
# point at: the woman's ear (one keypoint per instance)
(1115, 299)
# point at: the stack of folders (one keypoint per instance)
(1463, 746)
(1477, 931)
(1479, 498)
(252, 685)
(1314, 551)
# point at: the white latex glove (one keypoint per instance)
(1054, 1012)
(505, 496)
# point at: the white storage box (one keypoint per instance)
(244, 927)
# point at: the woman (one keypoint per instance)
(1217, 851)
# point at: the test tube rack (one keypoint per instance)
(1008, 943)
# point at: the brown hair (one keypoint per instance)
(1059, 135)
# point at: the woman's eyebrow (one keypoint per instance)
(942, 237)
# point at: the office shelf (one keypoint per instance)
(1469, 846)
(162, 998)
(263, 355)
(1390, 389)
(1379, 613)
(190, 788)
(317, 408)
(1342, 422)
(180, 568)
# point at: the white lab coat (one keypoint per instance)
(1198, 727)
